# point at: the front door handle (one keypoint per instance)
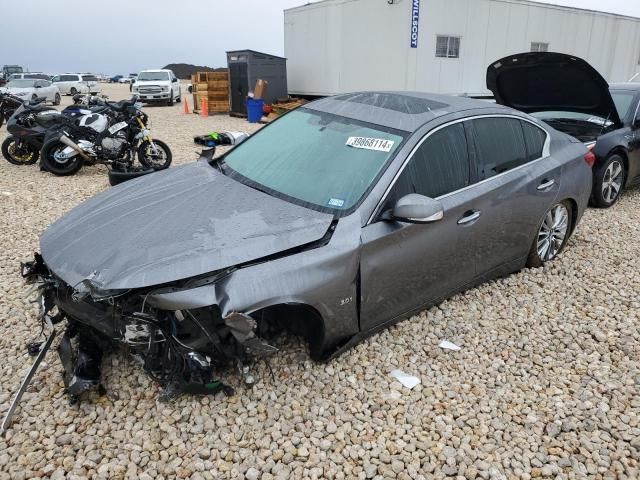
(469, 217)
(546, 184)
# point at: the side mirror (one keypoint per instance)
(38, 86)
(175, 80)
(415, 208)
(636, 123)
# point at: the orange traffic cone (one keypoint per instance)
(185, 110)
(204, 111)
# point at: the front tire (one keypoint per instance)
(553, 234)
(608, 182)
(73, 91)
(52, 161)
(170, 103)
(157, 156)
(19, 153)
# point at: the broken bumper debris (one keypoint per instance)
(183, 350)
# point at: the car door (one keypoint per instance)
(50, 91)
(405, 266)
(518, 181)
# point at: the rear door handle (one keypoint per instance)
(469, 217)
(546, 184)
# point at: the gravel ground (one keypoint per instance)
(546, 383)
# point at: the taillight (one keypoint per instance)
(590, 158)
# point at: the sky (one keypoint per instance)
(125, 36)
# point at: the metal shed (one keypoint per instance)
(247, 66)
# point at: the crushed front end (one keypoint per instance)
(182, 349)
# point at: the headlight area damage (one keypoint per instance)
(181, 349)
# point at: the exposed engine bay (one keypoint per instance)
(182, 350)
(584, 130)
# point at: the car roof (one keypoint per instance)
(631, 86)
(406, 111)
(156, 70)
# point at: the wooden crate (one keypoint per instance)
(215, 76)
(218, 106)
(218, 85)
(201, 77)
(217, 96)
(201, 87)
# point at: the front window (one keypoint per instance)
(153, 76)
(21, 83)
(623, 101)
(319, 159)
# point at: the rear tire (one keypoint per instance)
(608, 182)
(57, 166)
(73, 91)
(552, 235)
(26, 154)
(56, 99)
(158, 160)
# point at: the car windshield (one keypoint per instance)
(153, 76)
(320, 159)
(21, 83)
(623, 101)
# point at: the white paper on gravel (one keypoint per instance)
(405, 379)
(447, 345)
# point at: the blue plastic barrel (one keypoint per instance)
(254, 110)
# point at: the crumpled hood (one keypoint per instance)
(171, 225)
(547, 81)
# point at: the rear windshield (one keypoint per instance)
(89, 78)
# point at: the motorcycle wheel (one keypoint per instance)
(157, 156)
(19, 153)
(54, 164)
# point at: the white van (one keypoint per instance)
(30, 76)
(72, 83)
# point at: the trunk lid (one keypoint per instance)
(171, 225)
(544, 82)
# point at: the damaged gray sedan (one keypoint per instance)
(341, 218)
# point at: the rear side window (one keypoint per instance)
(535, 139)
(501, 145)
(68, 78)
(439, 166)
(89, 78)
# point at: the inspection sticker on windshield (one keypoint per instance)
(335, 202)
(377, 144)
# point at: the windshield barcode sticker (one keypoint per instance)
(377, 144)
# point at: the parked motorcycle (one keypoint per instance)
(119, 138)
(8, 105)
(27, 127)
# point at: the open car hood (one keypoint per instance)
(538, 82)
(172, 225)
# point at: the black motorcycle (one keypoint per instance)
(8, 105)
(127, 137)
(27, 127)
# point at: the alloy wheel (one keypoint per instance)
(612, 181)
(553, 232)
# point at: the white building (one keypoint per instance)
(442, 46)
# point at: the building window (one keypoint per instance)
(447, 47)
(539, 47)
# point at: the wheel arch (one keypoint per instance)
(299, 319)
(622, 152)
